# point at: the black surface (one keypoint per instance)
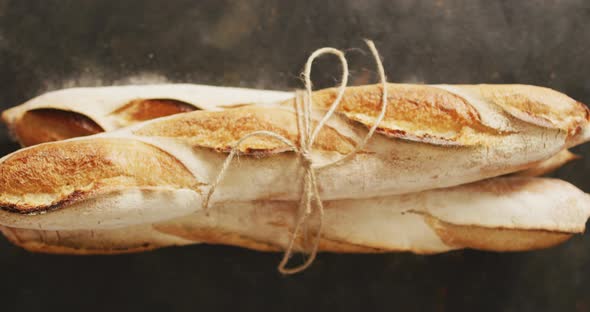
(46, 45)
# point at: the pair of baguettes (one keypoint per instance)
(414, 187)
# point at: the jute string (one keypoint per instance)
(310, 191)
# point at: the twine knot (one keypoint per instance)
(310, 190)
(306, 159)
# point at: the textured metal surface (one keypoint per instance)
(46, 45)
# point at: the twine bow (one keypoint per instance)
(307, 136)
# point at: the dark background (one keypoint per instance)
(47, 45)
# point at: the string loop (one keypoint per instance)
(310, 193)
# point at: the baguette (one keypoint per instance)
(75, 112)
(500, 214)
(442, 110)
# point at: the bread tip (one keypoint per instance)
(7, 116)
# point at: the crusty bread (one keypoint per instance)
(72, 113)
(500, 214)
(75, 112)
(438, 113)
(430, 138)
(449, 114)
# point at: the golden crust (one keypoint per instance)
(146, 109)
(219, 130)
(537, 105)
(46, 125)
(415, 112)
(48, 176)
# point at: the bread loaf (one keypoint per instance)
(500, 214)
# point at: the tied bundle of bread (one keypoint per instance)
(127, 169)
